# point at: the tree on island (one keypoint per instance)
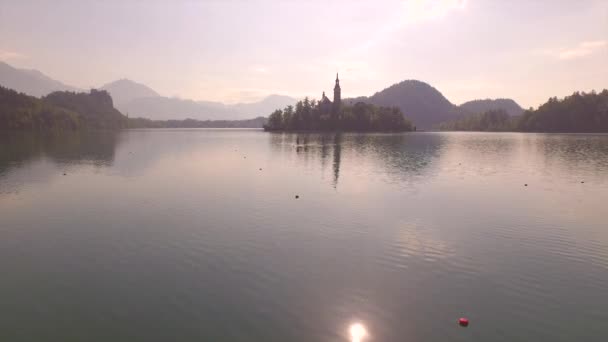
(360, 117)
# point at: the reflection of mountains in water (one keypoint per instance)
(93, 147)
(402, 155)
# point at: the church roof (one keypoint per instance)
(324, 99)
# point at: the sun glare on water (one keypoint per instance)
(357, 332)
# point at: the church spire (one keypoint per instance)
(337, 95)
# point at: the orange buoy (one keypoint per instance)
(464, 322)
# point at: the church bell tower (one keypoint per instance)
(337, 95)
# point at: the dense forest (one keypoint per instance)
(61, 110)
(307, 115)
(579, 112)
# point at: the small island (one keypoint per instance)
(327, 115)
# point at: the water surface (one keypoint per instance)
(196, 235)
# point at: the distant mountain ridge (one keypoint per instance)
(30, 82)
(266, 106)
(426, 107)
(125, 90)
(423, 104)
(482, 106)
(139, 100)
(165, 108)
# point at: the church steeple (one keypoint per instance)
(337, 95)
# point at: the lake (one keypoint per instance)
(197, 235)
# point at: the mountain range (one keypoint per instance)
(424, 105)
(30, 82)
(138, 100)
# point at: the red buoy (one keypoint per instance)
(464, 322)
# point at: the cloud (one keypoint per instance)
(581, 50)
(423, 10)
(7, 55)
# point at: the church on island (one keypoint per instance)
(326, 106)
(328, 115)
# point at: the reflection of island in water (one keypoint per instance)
(95, 147)
(307, 143)
(399, 155)
(21, 149)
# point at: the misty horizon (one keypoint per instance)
(232, 53)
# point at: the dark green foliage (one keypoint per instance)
(579, 112)
(95, 109)
(361, 117)
(22, 112)
(58, 110)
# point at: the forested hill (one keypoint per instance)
(577, 113)
(59, 110)
(481, 106)
(424, 105)
(95, 109)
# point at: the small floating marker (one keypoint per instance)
(464, 322)
(64, 174)
(260, 169)
(526, 184)
(297, 196)
(582, 182)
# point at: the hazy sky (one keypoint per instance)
(235, 51)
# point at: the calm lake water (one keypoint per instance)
(196, 235)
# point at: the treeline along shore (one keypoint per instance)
(65, 110)
(577, 113)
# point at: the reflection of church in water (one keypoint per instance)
(327, 142)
